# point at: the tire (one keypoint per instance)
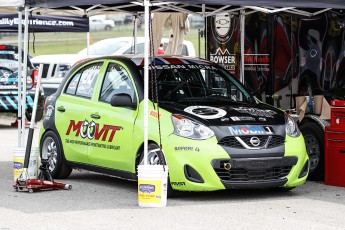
(39, 115)
(314, 141)
(39, 112)
(107, 28)
(156, 158)
(51, 146)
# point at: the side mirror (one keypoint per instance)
(122, 100)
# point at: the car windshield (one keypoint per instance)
(204, 84)
(104, 47)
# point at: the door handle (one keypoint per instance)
(61, 109)
(95, 116)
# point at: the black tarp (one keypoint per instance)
(45, 23)
(85, 4)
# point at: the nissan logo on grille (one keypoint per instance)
(255, 141)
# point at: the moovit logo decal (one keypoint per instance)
(206, 112)
(92, 130)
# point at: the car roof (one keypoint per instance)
(138, 59)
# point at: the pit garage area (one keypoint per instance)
(102, 202)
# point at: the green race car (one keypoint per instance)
(214, 134)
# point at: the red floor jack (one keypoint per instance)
(44, 180)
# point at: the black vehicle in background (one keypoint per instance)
(9, 83)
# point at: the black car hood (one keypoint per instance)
(228, 114)
(238, 120)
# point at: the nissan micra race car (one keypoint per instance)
(214, 134)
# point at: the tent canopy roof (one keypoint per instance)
(89, 8)
(86, 4)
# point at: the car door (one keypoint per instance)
(112, 147)
(72, 117)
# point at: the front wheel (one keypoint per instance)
(51, 148)
(314, 143)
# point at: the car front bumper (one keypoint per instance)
(203, 165)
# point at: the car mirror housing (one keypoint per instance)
(122, 100)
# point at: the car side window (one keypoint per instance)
(116, 81)
(83, 82)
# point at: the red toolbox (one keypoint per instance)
(335, 156)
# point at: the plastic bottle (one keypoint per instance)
(311, 105)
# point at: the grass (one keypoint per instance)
(69, 43)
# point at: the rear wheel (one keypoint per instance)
(156, 157)
(52, 148)
(314, 142)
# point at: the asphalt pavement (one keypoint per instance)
(102, 202)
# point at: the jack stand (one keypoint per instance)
(44, 182)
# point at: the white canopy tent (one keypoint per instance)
(203, 8)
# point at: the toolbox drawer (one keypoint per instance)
(335, 137)
(338, 117)
(335, 166)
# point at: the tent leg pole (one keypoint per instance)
(243, 23)
(135, 34)
(87, 43)
(146, 80)
(25, 68)
(20, 41)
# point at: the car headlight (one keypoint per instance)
(188, 128)
(291, 127)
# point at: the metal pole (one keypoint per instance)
(20, 40)
(135, 34)
(146, 80)
(243, 23)
(25, 68)
(205, 30)
(87, 43)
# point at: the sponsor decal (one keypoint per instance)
(222, 41)
(50, 111)
(204, 66)
(178, 183)
(224, 58)
(242, 118)
(150, 191)
(155, 114)
(91, 130)
(224, 25)
(185, 148)
(239, 130)
(17, 165)
(256, 112)
(256, 62)
(206, 112)
(147, 188)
